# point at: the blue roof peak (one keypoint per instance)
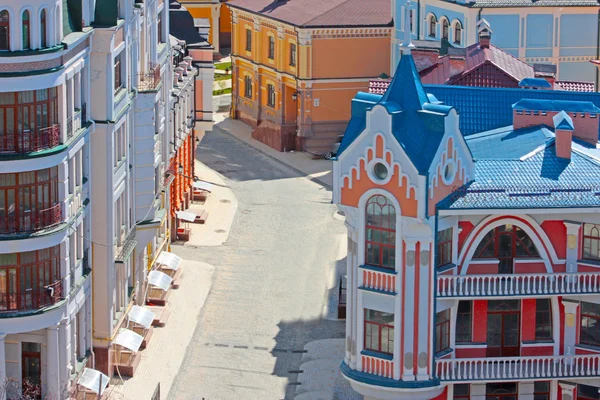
(406, 88)
(563, 121)
(535, 82)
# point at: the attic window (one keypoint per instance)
(536, 113)
(519, 112)
(527, 112)
(582, 115)
(592, 115)
(543, 113)
(574, 115)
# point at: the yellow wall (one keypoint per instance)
(335, 100)
(225, 19)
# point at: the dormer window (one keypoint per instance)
(4, 30)
(26, 31)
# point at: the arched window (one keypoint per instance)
(506, 243)
(458, 33)
(43, 36)
(26, 31)
(380, 238)
(4, 30)
(445, 28)
(432, 25)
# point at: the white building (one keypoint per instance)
(45, 293)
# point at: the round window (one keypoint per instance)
(380, 171)
(449, 172)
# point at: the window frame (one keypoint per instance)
(43, 27)
(432, 26)
(371, 243)
(159, 27)
(589, 239)
(271, 97)
(118, 72)
(6, 25)
(248, 39)
(495, 240)
(595, 317)
(442, 247)
(380, 327)
(548, 324)
(26, 30)
(248, 86)
(466, 396)
(271, 48)
(444, 331)
(445, 29)
(469, 317)
(581, 397)
(457, 33)
(541, 392)
(293, 54)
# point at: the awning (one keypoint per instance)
(168, 260)
(186, 216)
(141, 316)
(94, 380)
(203, 186)
(129, 339)
(160, 280)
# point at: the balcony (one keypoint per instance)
(518, 368)
(28, 141)
(31, 221)
(32, 299)
(149, 81)
(525, 285)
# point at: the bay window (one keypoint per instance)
(380, 233)
(379, 331)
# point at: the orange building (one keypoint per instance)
(212, 16)
(297, 65)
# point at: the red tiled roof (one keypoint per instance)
(321, 12)
(574, 86)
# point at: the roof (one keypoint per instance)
(405, 88)
(563, 122)
(574, 86)
(543, 180)
(316, 13)
(535, 82)
(555, 105)
(533, 3)
(181, 25)
(508, 144)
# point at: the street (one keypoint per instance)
(275, 277)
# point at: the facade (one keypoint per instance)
(472, 242)
(45, 192)
(212, 17)
(296, 68)
(559, 32)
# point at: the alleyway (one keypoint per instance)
(274, 278)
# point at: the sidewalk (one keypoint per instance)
(315, 168)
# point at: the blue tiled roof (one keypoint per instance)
(555, 105)
(563, 121)
(535, 82)
(508, 144)
(483, 109)
(540, 181)
(406, 89)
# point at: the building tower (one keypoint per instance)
(45, 210)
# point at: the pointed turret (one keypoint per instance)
(406, 88)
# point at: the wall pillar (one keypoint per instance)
(63, 354)
(570, 324)
(408, 373)
(572, 245)
(214, 25)
(478, 391)
(567, 390)
(526, 390)
(52, 363)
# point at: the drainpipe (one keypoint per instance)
(419, 19)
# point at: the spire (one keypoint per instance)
(406, 88)
(406, 45)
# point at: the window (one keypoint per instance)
(445, 28)
(293, 54)
(159, 27)
(43, 37)
(248, 39)
(585, 392)
(464, 320)
(4, 30)
(442, 331)
(591, 241)
(271, 47)
(26, 31)
(380, 235)
(543, 320)
(432, 26)
(506, 241)
(271, 95)
(590, 324)
(462, 391)
(501, 391)
(118, 82)
(541, 391)
(410, 17)
(248, 87)
(458, 33)
(379, 331)
(444, 247)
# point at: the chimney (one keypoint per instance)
(563, 129)
(545, 71)
(485, 33)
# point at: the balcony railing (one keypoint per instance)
(31, 221)
(149, 81)
(525, 285)
(518, 368)
(28, 141)
(32, 299)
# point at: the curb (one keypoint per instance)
(302, 173)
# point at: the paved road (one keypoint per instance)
(271, 284)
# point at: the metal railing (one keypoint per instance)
(27, 141)
(149, 81)
(523, 285)
(31, 221)
(517, 368)
(32, 299)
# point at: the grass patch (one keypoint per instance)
(222, 77)
(222, 91)
(223, 66)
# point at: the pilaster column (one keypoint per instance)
(567, 390)
(408, 292)
(63, 355)
(88, 323)
(82, 332)
(478, 391)
(214, 25)
(570, 324)
(2, 365)
(425, 307)
(52, 363)
(572, 247)
(526, 390)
